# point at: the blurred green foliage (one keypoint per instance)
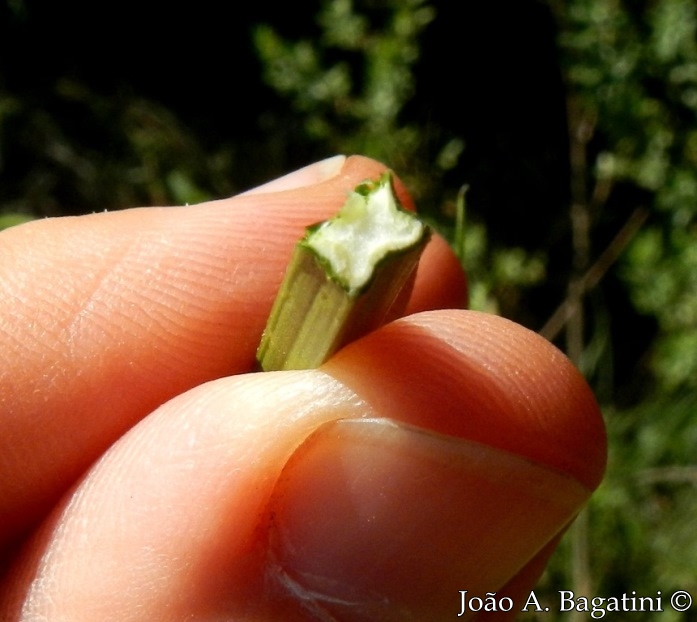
(632, 83)
(363, 77)
(351, 82)
(80, 150)
(635, 72)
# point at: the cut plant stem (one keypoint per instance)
(348, 276)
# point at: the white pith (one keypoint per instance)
(365, 230)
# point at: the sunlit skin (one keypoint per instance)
(147, 474)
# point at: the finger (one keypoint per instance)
(291, 496)
(106, 316)
(530, 406)
(440, 282)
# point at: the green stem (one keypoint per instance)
(348, 276)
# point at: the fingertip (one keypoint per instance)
(484, 378)
(309, 175)
(440, 282)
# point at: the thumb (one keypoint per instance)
(301, 496)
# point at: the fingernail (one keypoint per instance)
(373, 520)
(306, 176)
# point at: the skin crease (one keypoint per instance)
(125, 338)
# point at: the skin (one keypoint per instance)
(146, 474)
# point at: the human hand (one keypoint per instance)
(145, 474)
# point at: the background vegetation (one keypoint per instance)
(574, 125)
